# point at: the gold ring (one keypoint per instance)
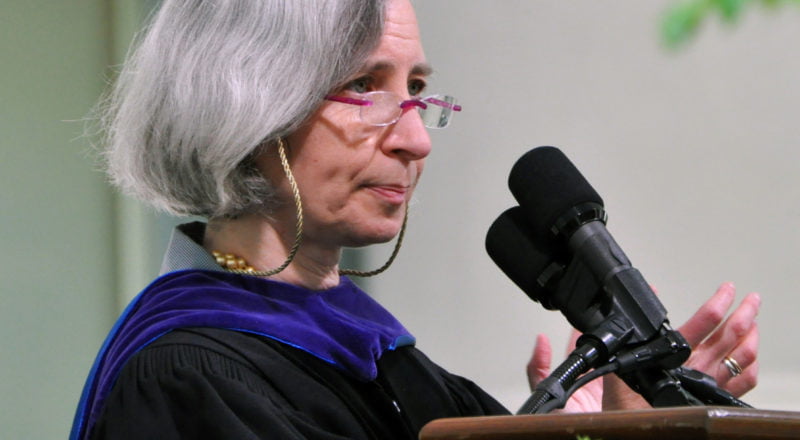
(733, 367)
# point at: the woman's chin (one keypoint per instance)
(375, 235)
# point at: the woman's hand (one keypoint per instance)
(712, 337)
(736, 338)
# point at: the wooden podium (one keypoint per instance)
(685, 423)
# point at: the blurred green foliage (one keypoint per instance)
(683, 19)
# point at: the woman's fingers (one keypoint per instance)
(736, 338)
(740, 373)
(736, 327)
(709, 315)
(539, 365)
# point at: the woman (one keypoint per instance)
(296, 128)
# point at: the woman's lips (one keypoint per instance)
(394, 194)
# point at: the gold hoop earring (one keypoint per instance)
(236, 265)
(298, 238)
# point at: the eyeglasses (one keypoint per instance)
(385, 108)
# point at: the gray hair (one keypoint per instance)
(210, 83)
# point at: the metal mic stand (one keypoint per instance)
(651, 369)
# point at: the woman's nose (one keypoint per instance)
(408, 137)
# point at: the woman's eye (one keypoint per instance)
(416, 87)
(359, 85)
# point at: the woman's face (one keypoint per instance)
(355, 180)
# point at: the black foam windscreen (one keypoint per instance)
(510, 246)
(546, 185)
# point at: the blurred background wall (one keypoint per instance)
(694, 151)
(63, 232)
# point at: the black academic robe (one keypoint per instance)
(222, 384)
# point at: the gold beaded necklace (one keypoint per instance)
(236, 264)
(232, 262)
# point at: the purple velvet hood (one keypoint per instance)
(342, 325)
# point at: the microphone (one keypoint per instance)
(556, 248)
(541, 271)
(549, 188)
(513, 250)
(564, 212)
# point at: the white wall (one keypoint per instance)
(57, 277)
(65, 237)
(696, 154)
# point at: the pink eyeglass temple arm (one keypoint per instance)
(346, 100)
(403, 105)
(440, 103)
